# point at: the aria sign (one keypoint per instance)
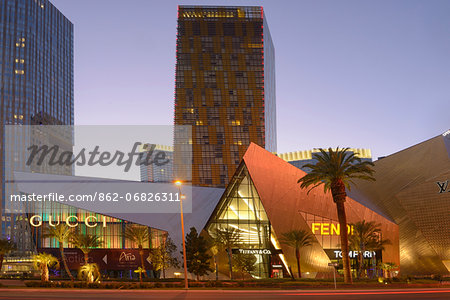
(329, 229)
(71, 221)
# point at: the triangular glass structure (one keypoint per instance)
(240, 208)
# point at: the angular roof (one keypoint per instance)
(286, 203)
(406, 189)
(204, 200)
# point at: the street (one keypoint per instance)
(69, 294)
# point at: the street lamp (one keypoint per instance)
(178, 183)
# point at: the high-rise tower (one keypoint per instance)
(225, 87)
(36, 80)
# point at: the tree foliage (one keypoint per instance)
(42, 262)
(335, 170)
(297, 239)
(62, 234)
(89, 273)
(366, 237)
(336, 166)
(163, 256)
(139, 235)
(244, 263)
(225, 239)
(85, 242)
(6, 246)
(197, 257)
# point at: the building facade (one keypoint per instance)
(301, 158)
(154, 172)
(263, 201)
(412, 188)
(36, 80)
(116, 256)
(225, 87)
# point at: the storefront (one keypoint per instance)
(263, 201)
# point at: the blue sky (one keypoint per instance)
(370, 74)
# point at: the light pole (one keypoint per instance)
(178, 184)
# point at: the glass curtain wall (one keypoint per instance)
(242, 210)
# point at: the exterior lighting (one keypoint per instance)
(178, 183)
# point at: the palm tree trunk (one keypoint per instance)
(297, 255)
(217, 267)
(344, 241)
(44, 275)
(2, 256)
(230, 263)
(86, 258)
(63, 258)
(361, 262)
(141, 254)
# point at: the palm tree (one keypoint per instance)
(297, 239)
(90, 273)
(42, 262)
(227, 238)
(214, 248)
(336, 170)
(61, 233)
(388, 267)
(6, 246)
(138, 235)
(85, 243)
(140, 271)
(366, 237)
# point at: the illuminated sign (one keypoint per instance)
(252, 251)
(353, 254)
(329, 229)
(71, 221)
(209, 14)
(127, 257)
(447, 133)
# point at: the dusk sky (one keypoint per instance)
(369, 74)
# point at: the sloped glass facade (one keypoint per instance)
(241, 209)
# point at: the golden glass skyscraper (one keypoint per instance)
(225, 87)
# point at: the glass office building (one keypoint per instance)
(155, 172)
(36, 80)
(225, 87)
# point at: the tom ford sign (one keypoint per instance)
(353, 254)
